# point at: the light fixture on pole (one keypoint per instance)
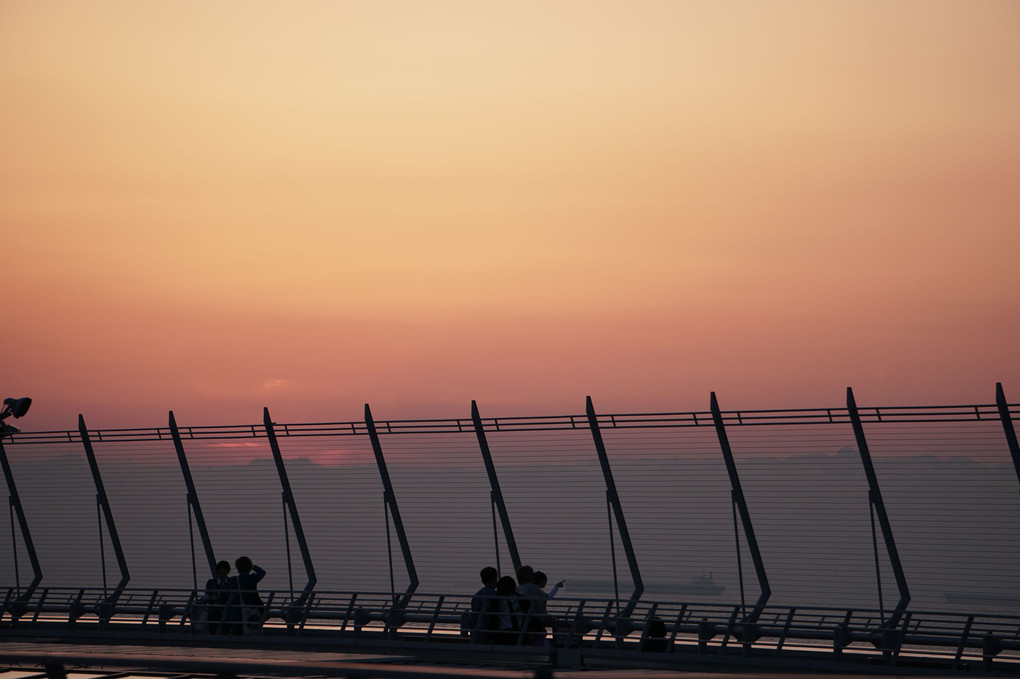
(13, 407)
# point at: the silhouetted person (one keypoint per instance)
(484, 608)
(531, 599)
(541, 579)
(217, 594)
(246, 609)
(508, 613)
(655, 639)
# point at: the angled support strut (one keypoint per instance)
(614, 500)
(1007, 426)
(391, 503)
(288, 499)
(111, 526)
(875, 496)
(189, 483)
(497, 494)
(737, 495)
(26, 536)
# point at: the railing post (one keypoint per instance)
(875, 495)
(737, 497)
(614, 500)
(26, 536)
(1007, 427)
(111, 526)
(391, 501)
(497, 494)
(189, 483)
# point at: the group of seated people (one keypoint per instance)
(508, 611)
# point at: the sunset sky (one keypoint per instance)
(214, 206)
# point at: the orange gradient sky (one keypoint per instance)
(214, 206)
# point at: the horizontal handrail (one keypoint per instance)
(780, 417)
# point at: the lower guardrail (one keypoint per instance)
(576, 630)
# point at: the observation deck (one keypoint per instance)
(850, 539)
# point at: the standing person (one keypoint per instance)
(532, 601)
(484, 608)
(557, 625)
(216, 596)
(246, 609)
(508, 615)
(541, 579)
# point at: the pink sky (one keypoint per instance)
(212, 207)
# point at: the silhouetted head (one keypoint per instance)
(243, 564)
(489, 576)
(525, 574)
(541, 578)
(506, 586)
(222, 569)
(656, 628)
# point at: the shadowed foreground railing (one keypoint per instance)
(581, 631)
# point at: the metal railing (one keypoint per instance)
(583, 629)
(590, 626)
(775, 417)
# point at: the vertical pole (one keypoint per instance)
(495, 532)
(286, 541)
(879, 507)
(740, 560)
(189, 483)
(104, 505)
(102, 541)
(612, 551)
(497, 494)
(1007, 427)
(614, 500)
(288, 498)
(26, 536)
(191, 541)
(389, 550)
(14, 549)
(391, 503)
(874, 547)
(737, 494)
